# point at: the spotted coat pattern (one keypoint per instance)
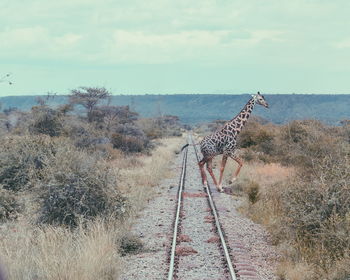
(224, 140)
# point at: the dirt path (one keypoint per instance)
(154, 227)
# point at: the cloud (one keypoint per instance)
(297, 36)
(67, 41)
(343, 44)
(22, 36)
(147, 47)
(37, 42)
(132, 46)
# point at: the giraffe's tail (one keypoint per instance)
(194, 144)
(184, 147)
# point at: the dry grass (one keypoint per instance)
(309, 219)
(296, 183)
(260, 177)
(263, 174)
(29, 251)
(300, 271)
(89, 252)
(140, 176)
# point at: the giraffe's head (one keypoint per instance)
(260, 99)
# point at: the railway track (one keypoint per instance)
(199, 249)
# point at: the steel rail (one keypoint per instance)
(218, 226)
(177, 217)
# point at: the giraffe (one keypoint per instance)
(224, 141)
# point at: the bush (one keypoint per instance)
(21, 158)
(248, 155)
(46, 121)
(253, 192)
(259, 137)
(130, 244)
(84, 135)
(308, 213)
(306, 143)
(165, 126)
(128, 144)
(315, 212)
(9, 207)
(299, 143)
(72, 184)
(76, 186)
(130, 130)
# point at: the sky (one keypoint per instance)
(173, 47)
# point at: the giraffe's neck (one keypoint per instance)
(234, 126)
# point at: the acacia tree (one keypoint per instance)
(89, 98)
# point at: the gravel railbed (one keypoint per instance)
(252, 251)
(154, 227)
(205, 261)
(253, 254)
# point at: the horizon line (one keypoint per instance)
(168, 94)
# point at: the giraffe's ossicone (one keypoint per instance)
(224, 141)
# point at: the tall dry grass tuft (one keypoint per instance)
(54, 253)
(300, 271)
(140, 176)
(255, 181)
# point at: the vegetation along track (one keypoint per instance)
(199, 249)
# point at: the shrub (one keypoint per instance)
(316, 212)
(130, 130)
(130, 244)
(76, 186)
(341, 270)
(306, 143)
(21, 158)
(248, 155)
(46, 121)
(17, 122)
(80, 132)
(9, 207)
(109, 116)
(128, 144)
(310, 212)
(259, 137)
(84, 135)
(295, 132)
(4, 125)
(72, 184)
(253, 192)
(165, 126)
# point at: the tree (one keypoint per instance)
(89, 98)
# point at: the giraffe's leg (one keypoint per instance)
(240, 164)
(210, 170)
(222, 168)
(203, 175)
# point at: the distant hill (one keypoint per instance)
(197, 108)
